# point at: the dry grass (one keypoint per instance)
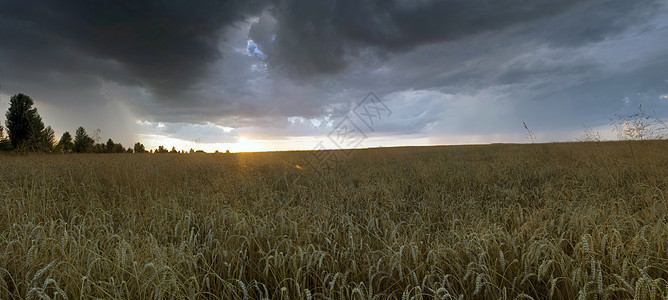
(556, 221)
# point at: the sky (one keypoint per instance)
(300, 74)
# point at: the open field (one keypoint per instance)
(548, 221)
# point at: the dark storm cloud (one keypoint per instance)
(324, 37)
(167, 46)
(318, 36)
(162, 45)
(594, 21)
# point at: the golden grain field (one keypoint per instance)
(535, 221)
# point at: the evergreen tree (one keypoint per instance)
(65, 145)
(82, 142)
(99, 148)
(47, 139)
(110, 147)
(24, 125)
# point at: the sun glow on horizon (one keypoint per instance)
(248, 144)
(244, 144)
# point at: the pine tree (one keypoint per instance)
(24, 125)
(82, 142)
(65, 144)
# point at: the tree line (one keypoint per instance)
(26, 132)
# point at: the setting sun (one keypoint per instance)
(244, 145)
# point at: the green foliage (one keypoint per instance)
(99, 148)
(46, 139)
(161, 149)
(6, 145)
(36, 138)
(112, 147)
(25, 127)
(109, 147)
(118, 148)
(82, 142)
(18, 120)
(139, 148)
(65, 145)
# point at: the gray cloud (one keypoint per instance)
(445, 66)
(164, 46)
(325, 37)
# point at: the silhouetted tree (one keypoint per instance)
(110, 147)
(99, 148)
(161, 149)
(192, 150)
(24, 125)
(129, 150)
(46, 139)
(118, 148)
(65, 145)
(18, 119)
(139, 148)
(173, 150)
(37, 137)
(82, 142)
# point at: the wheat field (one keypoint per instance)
(534, 221)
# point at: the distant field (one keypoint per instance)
(541, 221)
